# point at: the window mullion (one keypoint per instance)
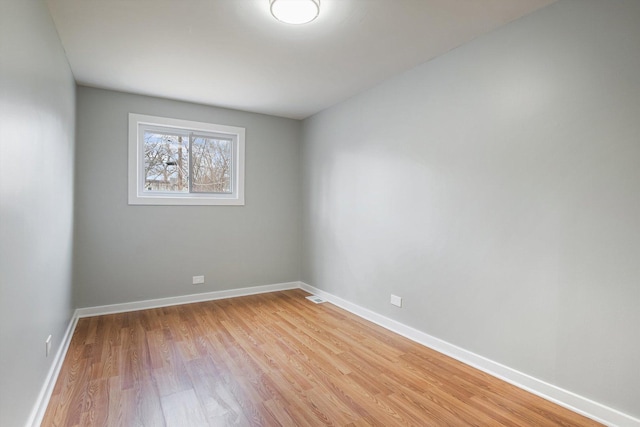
(190, 162)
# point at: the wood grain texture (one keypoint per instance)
(274, 360)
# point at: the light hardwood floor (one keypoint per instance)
(273, 359)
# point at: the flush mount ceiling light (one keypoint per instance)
(295, 11)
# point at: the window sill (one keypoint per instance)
(185, 201)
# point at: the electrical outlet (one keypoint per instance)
(47, 346)
(198, 280)
(396, 300)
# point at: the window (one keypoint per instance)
(180, 162)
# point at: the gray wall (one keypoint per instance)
(497, 190)
(129, 253)
(36, 201)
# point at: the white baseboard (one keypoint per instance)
(565, 398)
(40, 407)
(184, 299)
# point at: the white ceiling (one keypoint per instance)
(233, 53)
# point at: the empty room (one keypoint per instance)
(319, 212)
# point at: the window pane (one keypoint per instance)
(212, 165)
(166, 162)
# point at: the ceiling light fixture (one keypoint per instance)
(295, 11)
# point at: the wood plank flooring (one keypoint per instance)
(269, 360)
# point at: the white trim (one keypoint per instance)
(183, 299)
(565, 398)
(135, 194)
(40, 407)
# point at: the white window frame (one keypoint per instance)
(137, 195)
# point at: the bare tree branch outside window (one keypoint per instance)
(211, 165)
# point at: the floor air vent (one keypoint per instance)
(316, 299)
